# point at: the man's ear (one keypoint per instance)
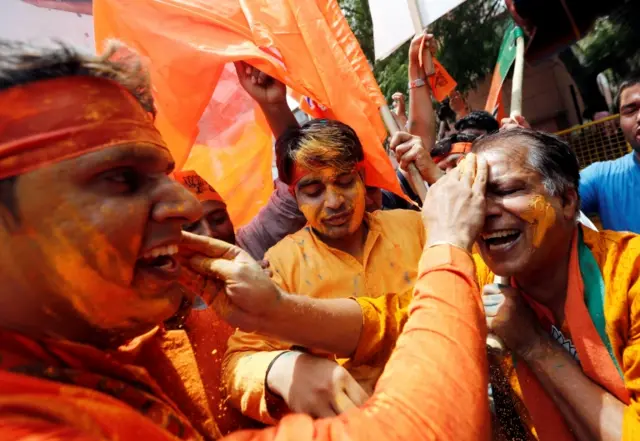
(570, 204)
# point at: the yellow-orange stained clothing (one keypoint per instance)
(618, 258)
(303, 264)
(417, 398)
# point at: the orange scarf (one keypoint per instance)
(86, 389)
(595, 359)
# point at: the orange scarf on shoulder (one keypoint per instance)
(584, 324)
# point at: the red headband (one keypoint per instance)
(53, 120)
(299, 173)
(456, 148)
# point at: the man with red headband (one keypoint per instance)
(91, 225)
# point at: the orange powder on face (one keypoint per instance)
(359, 206)
(542, 215)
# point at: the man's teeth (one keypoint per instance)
(168, 250)
(499, 234)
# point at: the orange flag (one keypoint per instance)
(442, 84)
(210, 123)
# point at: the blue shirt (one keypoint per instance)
(610, 190)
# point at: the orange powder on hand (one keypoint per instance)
(542, 215)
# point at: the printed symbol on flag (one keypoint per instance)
(198, 184)
(440, 80)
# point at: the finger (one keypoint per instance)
(482, 174)
(402, 149)
(467, 173)
(208, 246)
(219, 268)
(322, 410)
(355, 392)
(408, 158)
(263, 78)
(242, 69)
(506, 121)
(342, 402)
(398, 139)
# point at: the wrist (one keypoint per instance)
(279, 372)
(455, 240)
(537, 348)
(416, 72)
(274, 108)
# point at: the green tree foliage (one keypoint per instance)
(469, 39)
(611, 47)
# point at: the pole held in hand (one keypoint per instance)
(518, 77)
(414, 174)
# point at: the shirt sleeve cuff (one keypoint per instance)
(446, 255)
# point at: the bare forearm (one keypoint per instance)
(280, 117)
(422, 119)
(589, 410)
(298, 320)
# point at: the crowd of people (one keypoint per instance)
(133, 309)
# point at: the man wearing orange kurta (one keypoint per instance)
(570, 318)
(343, 252)
(91, 225)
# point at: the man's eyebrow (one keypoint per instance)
(150, 156)
(310, 181)
(499, 182)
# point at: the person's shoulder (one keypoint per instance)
(615, 251)
(289, 243)
(389, 217)
(601, 168)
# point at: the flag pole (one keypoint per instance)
(516, 110)
(493, 341)
(414, 174)
(416, 178)
(518, 76)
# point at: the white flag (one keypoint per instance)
(392, 24)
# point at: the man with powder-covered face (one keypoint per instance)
(343, 252)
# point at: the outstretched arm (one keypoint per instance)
(419, 395)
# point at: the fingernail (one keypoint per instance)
(197, 261)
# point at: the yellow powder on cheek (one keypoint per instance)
(359, 203)
(310, 214)
(542, 215)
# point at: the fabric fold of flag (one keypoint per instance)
(211, 125)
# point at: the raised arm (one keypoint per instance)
(280, 216)
(271, 96)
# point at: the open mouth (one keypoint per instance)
(161, 260)
(501, 240)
